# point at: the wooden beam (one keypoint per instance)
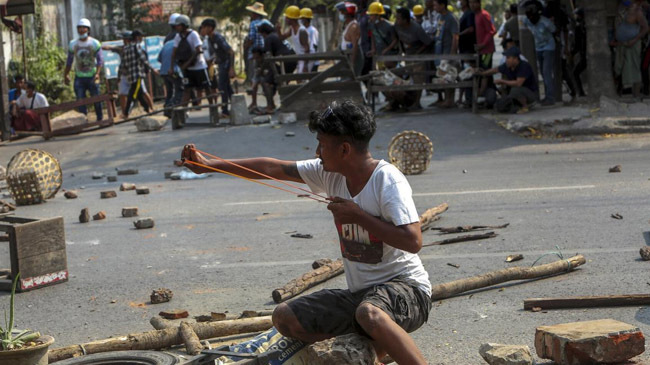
(461, 84)
(475, 237)
(309, 75)
(324, 56)
(305, 88)
(587, 302)
(306, 281)
(426, 57)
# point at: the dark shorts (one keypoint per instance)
(332, 311)
(198, 79)
(523, 92)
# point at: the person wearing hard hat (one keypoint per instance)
(298, 37)
(418, 13)
(382, 32)
(306, 15)
(188, 54)
(351, 34)
(85, 53)
(172, 24)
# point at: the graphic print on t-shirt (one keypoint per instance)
(359, 245)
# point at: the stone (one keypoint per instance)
(111, 178)
(151, 124)
(98, 175)
(127, 187)
(616, 168)
(174, 314)
(239, 110)
(129, 212)
(589, 342)
(161, 295)
(262, 119)
(70, 194)
(346, 349)
(84, 217)
(108, 194)
(287, 118)
(143, 190)
(127, 171)
(290, 134)
(68, 119)
(497, 354)
(645, 253)
(99, 216)
(144, 223)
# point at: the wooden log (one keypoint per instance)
(159, 339)
(462, 229)
(587, 302)
(452, 288)
(470, 237)
(431, 215)
(306, 281)
(252, 314)
(193, 345)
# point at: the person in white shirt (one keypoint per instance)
(298, 37)
(23, 116)
(389, 293)
(306, 15)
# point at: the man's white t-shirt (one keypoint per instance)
(24, 101)
(195, 41)
(387, 195)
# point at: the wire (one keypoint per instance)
(261, 174)
(255, 181)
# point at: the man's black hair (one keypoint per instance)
(18, 77)
(353, 122)
(442, 2)
(30, 85)
(404, 13)
(266, 28)
(513, 9)
(209, 22)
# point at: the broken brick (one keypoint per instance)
(129, 212)
(127, 187)
(144, 223)
(127, 171)
(589, 342)
(84, 217)
(108, 194)
(174, 314)
(616, 168)
(161, 295)
(111, 178)
(142, 190)
(70, 194)
(645, 253)
(99, 216)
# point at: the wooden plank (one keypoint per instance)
(462, 84)
(305, 88)
(324, 56)
(325, 86)
(46, 263)
(587, 301)
(309, 75)
(425, 57)
(39, 237)
(15, 220)
(74, 104)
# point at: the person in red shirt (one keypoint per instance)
(485, 32)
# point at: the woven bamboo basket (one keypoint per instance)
(410, 152)
(46, 179)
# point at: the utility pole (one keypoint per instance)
(526, 40)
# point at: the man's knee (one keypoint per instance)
(369, 317)
(285, 321)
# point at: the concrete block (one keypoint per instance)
(107, 194)
(129, 212)
(239, 110)
(127, 171)
(589, 342)
(497, 354)
(142, 190)
(144, 223)
(151, 124)
(346, 349)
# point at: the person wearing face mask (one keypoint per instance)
(631, 27)
(306, 16)
(351, 34)
(543, 29)
(85, 53)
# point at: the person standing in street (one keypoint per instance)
(351, 35)
(306, 16)
(298, 37)
(447, 36)
(136, 67)
(484, 41)
(85, 53)
(223, 57)
(543, 29)
(253, 39)
(173, 80)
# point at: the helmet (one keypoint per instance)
(292, 12)
(376, 9)
(172, 18)
(83, 22)
(183, 20)
(126, 34)
(418, 10)
(209, 23)
(306, 13)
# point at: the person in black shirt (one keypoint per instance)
(518, 77)
(580, 48)
(467, 28)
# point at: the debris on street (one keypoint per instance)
(513, 258)
(467, 238)
(432, 215)
(498, 354)
(129, 212)
(616, 168)
(346, 349)
(99, 216)
(84, 217)
(108, 194)
(144, 223)
(174, 314)
(453, 265)
(6, 207)
(302, 235)
(193, 345)
(617, 216)
(463, 229)
(161, 295)
(143, 190)
(111, 178)
(127, 171)
(306, 281)
(320, 262)
(587, 302)
(645, 253)
(70, 194)
(98, 175)
(127, 187)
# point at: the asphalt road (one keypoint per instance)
(221, 244)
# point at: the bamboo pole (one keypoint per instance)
(159, 339)
(193, 345)
(306, 281)
(450, 289)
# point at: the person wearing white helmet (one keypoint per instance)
(86, 54)
(172, 24)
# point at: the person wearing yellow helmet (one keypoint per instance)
(306, 16)
(382, 32)
(298, 37)
(418, 13)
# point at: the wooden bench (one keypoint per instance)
(315, 90)
(45, 114)
(406, 63)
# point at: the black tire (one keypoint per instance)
(124, 358)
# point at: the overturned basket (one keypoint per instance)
(411, 152)
(33, 176)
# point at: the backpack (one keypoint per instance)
(184, 51)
